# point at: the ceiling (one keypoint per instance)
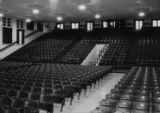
(108, 9)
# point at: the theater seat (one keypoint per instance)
(124, 106)
(12, 93)
(6, 101)
(156, 108)
(13, 110)
(3, 92)
(141, 107)
(107, 106)
(19, 103)
(2, 110)
(23, 94)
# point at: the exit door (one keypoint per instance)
(20, 36)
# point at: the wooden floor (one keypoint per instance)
(90, 101)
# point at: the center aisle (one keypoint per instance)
(90, 101)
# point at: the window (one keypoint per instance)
(138, 24)
(30, 26)
(75, 25)
(113, 24)
(105, 24)
(156, 23)
(60, 26)
(19, 24)
(89, 26)
(6, 22)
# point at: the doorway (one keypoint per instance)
(20, 36)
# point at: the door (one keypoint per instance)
(20, 36)
(7, 35)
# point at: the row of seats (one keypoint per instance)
(137, 92)
(43, 49)
(40, 86)
(79, 52)
(148, 51)
(116, 53)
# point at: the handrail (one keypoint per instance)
(16, 41)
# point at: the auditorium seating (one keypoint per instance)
(45, 49)
(40, 86)
(116, 53)
(78, 53)
(137, 92)
(126, 48)
(148, 51)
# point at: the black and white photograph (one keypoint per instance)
(79, 56)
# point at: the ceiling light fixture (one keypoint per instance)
(59, 18)
(82, 7)
(28, 20)
(97, 16)
(139, 1)
(35, 11)
(1, 15)
(141, 14)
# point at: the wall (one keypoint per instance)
(15, 47)
(129, 23)
(47, 28)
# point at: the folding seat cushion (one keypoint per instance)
(147, 88)
(129, 97)
(23, 94)
(27, 88)
(6, 101)
(117, 90)
(57, 86)
(19, 103)
(38, 84)
(115, 96)
(143, 92)
(121, 86)
(29, 83)
(35, 96)
(156, 108)
(48, 85)
(8, 86)
(156, 99)
(2, 110)
(156, 93)
(17, 87)
(3, 91)
(12, 93)
(143, 98)
(37, 90)
(130, 91)
(124, 106)
(13, 110)
(141, 107)
(107, 106)
(32, 107)
(48, 91)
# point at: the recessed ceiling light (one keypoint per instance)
(97, 16)
(35, 11)
(1, 14)
(141, 14)
(59, 18)
(82, 7)
(139, 1)
(28, 20)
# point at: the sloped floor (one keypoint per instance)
(90, 101)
